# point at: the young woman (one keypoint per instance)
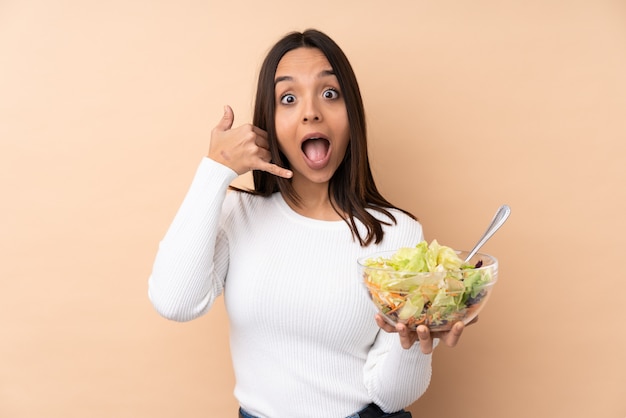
(304, 338)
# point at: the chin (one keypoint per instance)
(317, 177)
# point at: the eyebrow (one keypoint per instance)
(325, 73)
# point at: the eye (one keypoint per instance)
(288, 99)
(330, 94)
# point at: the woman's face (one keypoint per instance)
(311, 117)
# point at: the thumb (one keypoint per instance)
(227, 120)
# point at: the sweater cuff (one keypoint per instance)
(217, 169)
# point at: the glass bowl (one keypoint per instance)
(436, 299)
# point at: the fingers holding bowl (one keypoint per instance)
(423, 335)
(384, 325)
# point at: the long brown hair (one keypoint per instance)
(352, 187)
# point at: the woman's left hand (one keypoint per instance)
(423, 334)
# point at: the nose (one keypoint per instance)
(311, 112)
(311, 117)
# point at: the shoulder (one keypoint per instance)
(403, 220)
(405, 231)
(240, 203)
(399, 217)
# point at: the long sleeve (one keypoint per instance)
(394, 376)
(303, 338)
(191, 262)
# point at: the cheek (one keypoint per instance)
(281, 123)
(340, 122)
(285, 129)
(281, 134)
(344, 132)
(345, 143)
(282, 138)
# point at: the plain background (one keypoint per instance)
(106, 109)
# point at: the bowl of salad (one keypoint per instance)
(428, 284)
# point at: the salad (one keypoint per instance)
(427, 284)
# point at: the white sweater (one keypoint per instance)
(303, 338)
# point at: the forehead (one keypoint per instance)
(302, 60)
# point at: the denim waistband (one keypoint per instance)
(370, 411)
(244, 414)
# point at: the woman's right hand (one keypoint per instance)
(243, 148)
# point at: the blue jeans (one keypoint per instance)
(363, 413)
(244, 414)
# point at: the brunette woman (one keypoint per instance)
(304, 337)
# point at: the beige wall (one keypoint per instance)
(106, 108)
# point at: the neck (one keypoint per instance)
(315, 202)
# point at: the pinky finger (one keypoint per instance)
(454, 334)
(384, 325)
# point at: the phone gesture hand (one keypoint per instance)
(243, 148)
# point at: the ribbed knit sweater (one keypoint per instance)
(303, 338)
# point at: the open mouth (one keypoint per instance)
(316, 149)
